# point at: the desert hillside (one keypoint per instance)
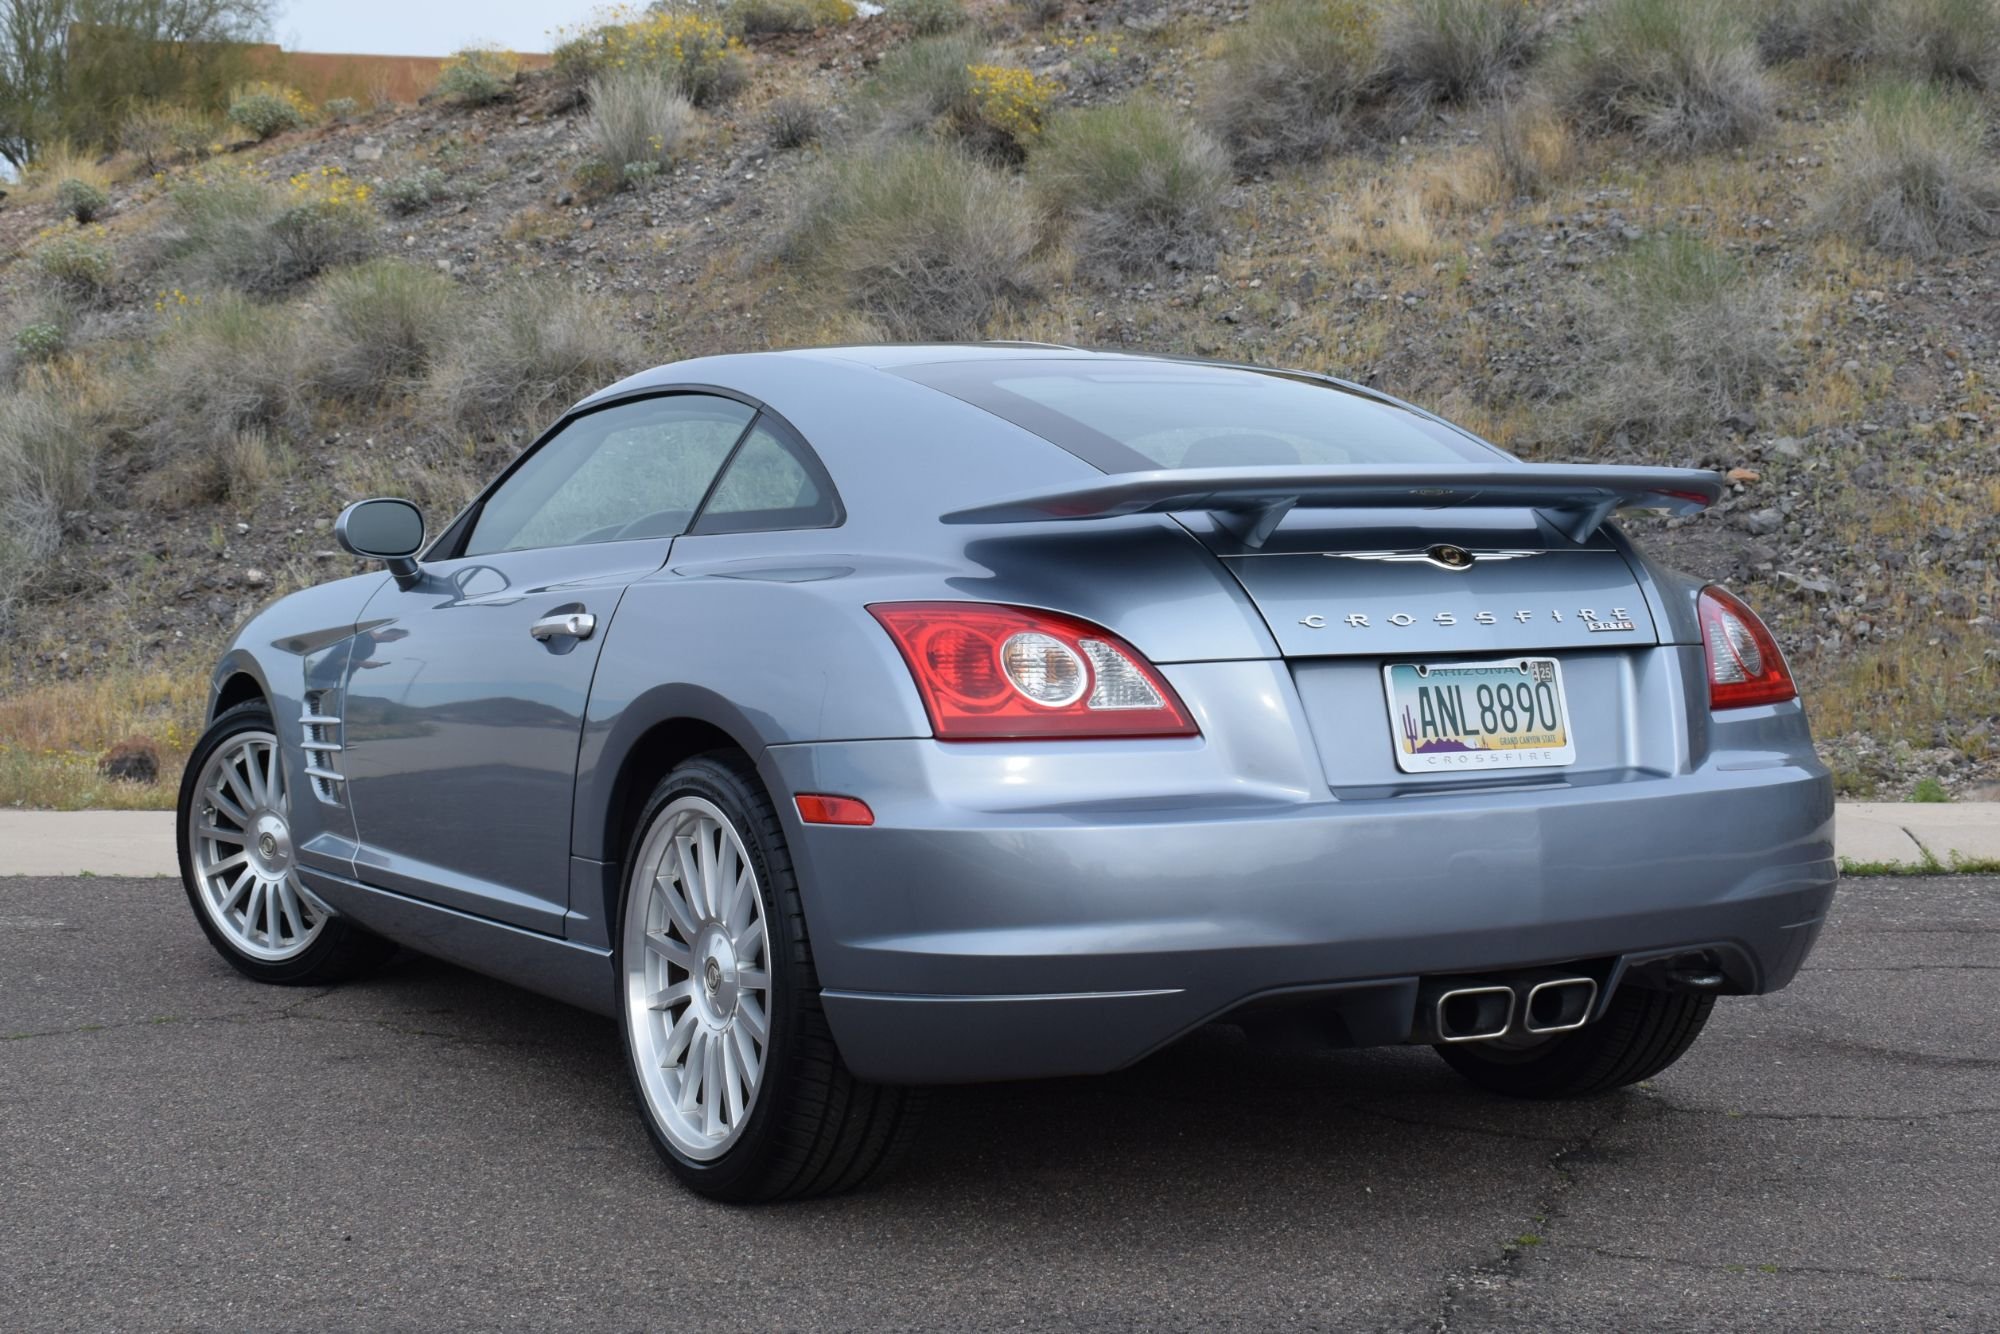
(1757, 237)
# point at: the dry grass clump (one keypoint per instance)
(1938, 39)
(1679, 337)
(1679, 75)
(1290, 77)
(1456, 50)
(1138, 187)
(525, 351)
(795, 122)
(59, 161)
(1530, 146)
(637, 116)
(1387, 223)
(165, 134)
(1914, 177)
(49, 429)
(223, 374)
(52, 734)
(375, 328)
(919, 236)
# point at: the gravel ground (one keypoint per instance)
(180, 1148)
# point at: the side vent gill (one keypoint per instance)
(321, 724)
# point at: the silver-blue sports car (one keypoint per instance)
(847, 720)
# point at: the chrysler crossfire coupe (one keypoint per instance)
(849, 720)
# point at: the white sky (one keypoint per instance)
(423, 27)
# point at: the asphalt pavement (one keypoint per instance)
(181, 1148)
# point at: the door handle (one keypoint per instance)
(575, 624)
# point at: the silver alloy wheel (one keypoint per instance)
(239, 839)
(697, 978)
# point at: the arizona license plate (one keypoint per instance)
(1508, 714)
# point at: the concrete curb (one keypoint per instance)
(141, 843)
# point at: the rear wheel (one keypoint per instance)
(238, 868)
(1642, 1033)
(736, 1072)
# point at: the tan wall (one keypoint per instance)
(368, 79)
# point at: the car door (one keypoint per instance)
(465, 695)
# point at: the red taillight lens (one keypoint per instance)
(1744, 664)
(820, 808)
(988, 671)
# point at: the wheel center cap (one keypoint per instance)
(712, 975)
(270, 845)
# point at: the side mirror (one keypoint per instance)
(391, 531)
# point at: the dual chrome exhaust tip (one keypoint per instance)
(1480, 1012)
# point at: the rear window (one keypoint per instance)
(1140, 415)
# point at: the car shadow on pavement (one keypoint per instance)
(1196, 1119)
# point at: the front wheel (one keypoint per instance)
(238, 865)
(736, 1071)
(1642, 1033)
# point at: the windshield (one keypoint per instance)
(1140, 415)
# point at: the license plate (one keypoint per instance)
(1508, 714)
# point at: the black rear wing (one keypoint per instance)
(1250, 502)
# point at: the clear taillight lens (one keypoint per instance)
(988, 671)
(1744, 664)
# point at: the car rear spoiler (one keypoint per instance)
(1575, 498)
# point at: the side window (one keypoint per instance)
(631, 471)
(773, 482)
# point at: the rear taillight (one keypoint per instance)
(1744, 664)
(988, 671)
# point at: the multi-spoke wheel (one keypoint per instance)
(237, 860)
(241, 851)
(736, 1072)
(697, 978)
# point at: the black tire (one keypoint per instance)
(1642, 1033)
(341, 951)
(814, 1128)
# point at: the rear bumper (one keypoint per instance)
(968, 939)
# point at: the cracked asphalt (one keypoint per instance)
(181, 1148)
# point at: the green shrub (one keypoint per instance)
(1930, 790)
(77, 265)
(476, 76)
(918, 235)
(943, 85)
(223, 371)
(1679, 337)
(39, 341)
(637, 117)
(375, 328)
(1290, 77)
(341, 110)
(1139, 187)
(1679, 75)
(163, 134)
(267, 109)
(230, 229)
(81, 200)
(414, 193)
(1913, 177)
(694, 51)
(927, 18)
(923, 82)
(758, 18)
(1456, 50)
(526, 351)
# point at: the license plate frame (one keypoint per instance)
(1418, 733)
